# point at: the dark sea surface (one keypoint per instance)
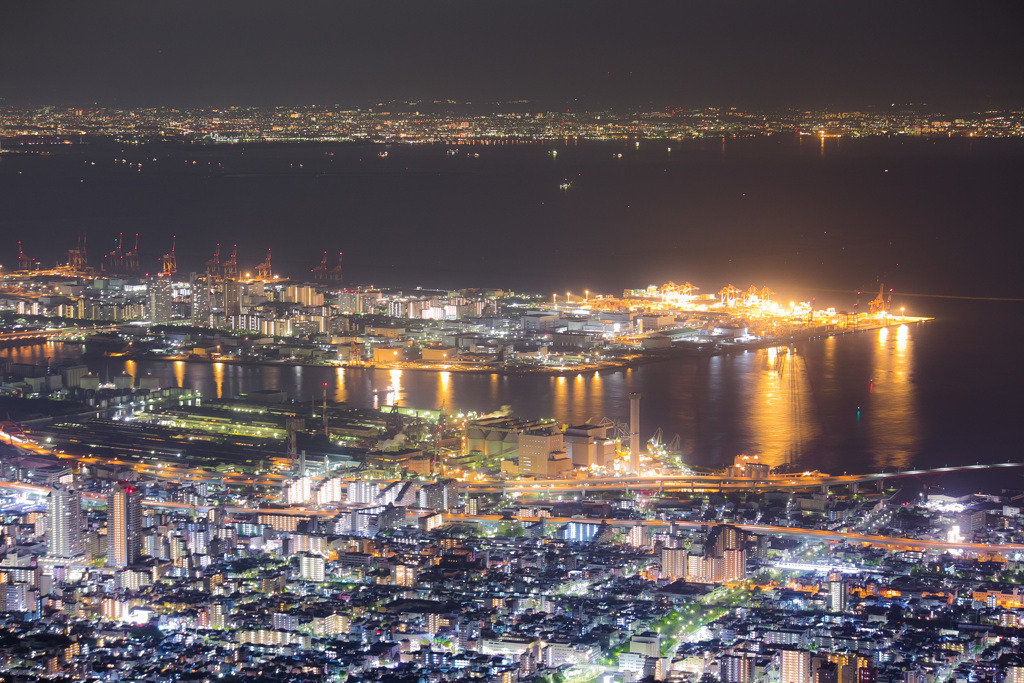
(799, 214)
(808, 218)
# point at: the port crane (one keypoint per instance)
(324, 273)
(320, 272)
(131, 258)
(229, 268)
(729, 294)
(335, 273)
(657, 445)
(213, 265)
(169, 262)
(621, 428)
(880, 304)
(263, 271)
(24, 262)
(755, 295)
(77, 259)
(673, 292)
(121, 261)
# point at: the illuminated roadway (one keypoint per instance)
(689, 482)
(661, 482)
(765, 529)
(770, 530)
(47, 334)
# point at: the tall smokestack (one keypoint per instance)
(634, 432)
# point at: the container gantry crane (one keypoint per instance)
(263, 270)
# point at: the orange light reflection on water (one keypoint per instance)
(443, 380)
(891, 419)
(782, 419)
(218, 378)
(339, 387)
(394, 393)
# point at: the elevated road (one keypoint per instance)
(823, 535)
(34, 336)
(706, 482)
(893, 542)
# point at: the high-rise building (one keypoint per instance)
(65, 510)
(230, 297)
(1014, 674)
(217, 615)
(349, 301)
(848, 666)
(673, 563)
(124, 525)
(440, 495)
(726, 537)
(795, 666)
(638, 537)
(311, 568)
(202, 300)
(404, 575)
(837, 592)
(825, 672)
(724, 558)
(161, 298)
(736, 669)
(303, 295)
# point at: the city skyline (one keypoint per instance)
(574, 342)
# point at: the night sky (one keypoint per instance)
(745, 53)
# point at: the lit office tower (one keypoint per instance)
(1014, 674)
(124, 525)
(65, 510)
(795, 666)
(161, 299)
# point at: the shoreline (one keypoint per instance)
(630, 361)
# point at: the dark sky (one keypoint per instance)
(749, 53)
